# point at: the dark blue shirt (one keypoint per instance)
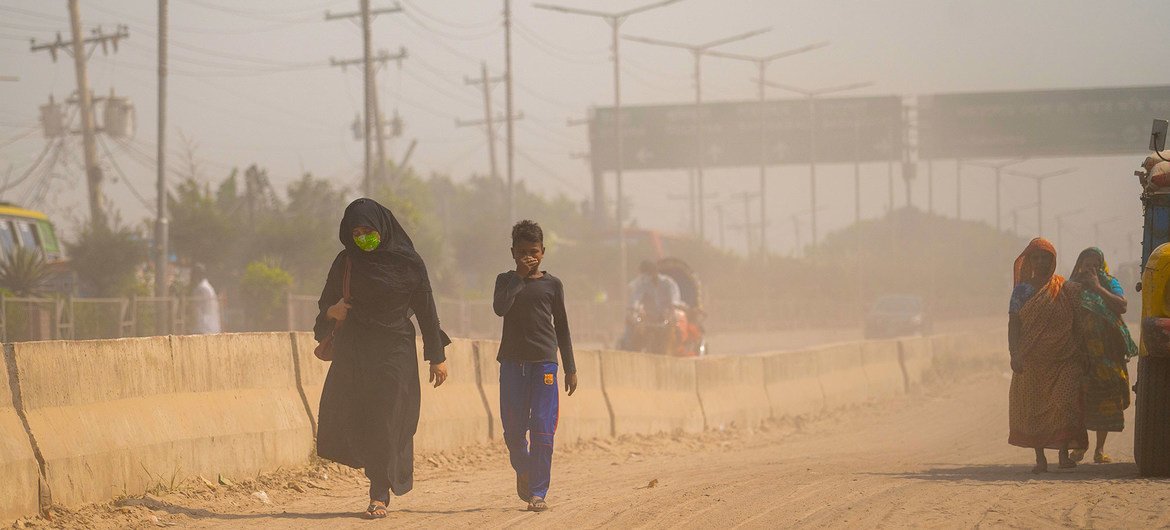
(535, 324)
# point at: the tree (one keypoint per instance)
(24, 272)
(107, 258)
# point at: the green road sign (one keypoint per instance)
(1053, 123)
(742, 133)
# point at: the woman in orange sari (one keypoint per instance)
(1044, 406)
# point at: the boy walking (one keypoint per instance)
(532, 303)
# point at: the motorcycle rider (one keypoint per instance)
(653, 295)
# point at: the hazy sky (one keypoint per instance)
(251, 83)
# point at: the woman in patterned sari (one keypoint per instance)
(1106, 346)
(1044, 404)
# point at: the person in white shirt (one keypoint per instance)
(204, 303)
(655, 293)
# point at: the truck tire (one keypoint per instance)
(1151, 442)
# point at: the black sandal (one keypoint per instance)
(376, 510)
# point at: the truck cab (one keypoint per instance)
(1152, 387)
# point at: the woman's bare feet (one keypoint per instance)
(1041, 462)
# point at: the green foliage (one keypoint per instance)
(263, 288)
(24, 273)
(106, 259)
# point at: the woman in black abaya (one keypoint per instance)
(370, 402)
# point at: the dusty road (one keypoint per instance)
(934, 460)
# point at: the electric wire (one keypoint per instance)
(122, 174)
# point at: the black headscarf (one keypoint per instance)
(394, 265)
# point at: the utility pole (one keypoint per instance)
(161, 229)
(615, 21)
(508, 110)
(76, 48)
(762, 64)
(719, 216)
(372, 117)
(697, 51)
(1039, 178)
(812, 137)
(485, 83)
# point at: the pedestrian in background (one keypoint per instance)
(1106, 346)
(1044, 403)
(204, 302)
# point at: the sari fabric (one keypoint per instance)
(1107, 347)
(1044, 404)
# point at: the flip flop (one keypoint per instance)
(1102, 458)
(537, 504)
(376, 510)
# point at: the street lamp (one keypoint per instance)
(998, 167)
(762, 66)
(812, 135)
(1039, 178)
(615, 20)
(697, 51)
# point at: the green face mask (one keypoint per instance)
(368, 242)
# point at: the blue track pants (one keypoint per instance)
(530, 407)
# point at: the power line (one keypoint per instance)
(458, 25)
(126, 180)
(454, 36)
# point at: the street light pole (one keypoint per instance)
(1039, 178)
(762, 64)
(998, 167)
(697, 51)
(812, 127)
(615, 21)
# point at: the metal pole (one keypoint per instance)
(763, 66)
(998, 199)
(1039, 207)
(367, 76)
(508, 112)
(700, 151)
(812, 164)
(856, 175)
(959, 190)
(161, 232)
(488, 120)
(615, 23)
(93, 171)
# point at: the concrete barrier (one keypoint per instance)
(651, 393)
(311, 373)
(732, 391)
(453, 415)
(792, 384)
(883, 369)
(119, 416)
(20, 486)
(842, 375)
(584, 415)
(917, 360)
